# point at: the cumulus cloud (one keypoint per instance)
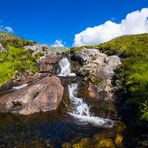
(58, 43)
(135, 23)
(6, 29)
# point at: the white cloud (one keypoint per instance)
(58, 43)
(6, 29)
(135, 23)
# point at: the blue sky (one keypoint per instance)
(45, 21)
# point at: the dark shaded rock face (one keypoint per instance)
(44, 95)
(48, 63)
(141, 141)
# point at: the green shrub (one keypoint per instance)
(133, 72)
(143, 107)
(17, 59)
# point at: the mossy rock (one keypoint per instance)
(95, 80)
(84, 143)
(105, 143)
(66, 145)
(118, 140)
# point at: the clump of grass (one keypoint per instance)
(16, 60)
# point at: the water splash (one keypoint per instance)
(19, 87)
(65, 67)
(82, 110)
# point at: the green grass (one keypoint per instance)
(16, 60)
(13, 40)
(134, 70)
(128, 46)
(5, 35)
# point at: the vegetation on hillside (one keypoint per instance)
(13, 40)
(16, 60)
(6, 35)
(133, 73)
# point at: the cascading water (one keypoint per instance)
(20, 87)
(82, 110)
(65, 67)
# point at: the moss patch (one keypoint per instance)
(16, 60)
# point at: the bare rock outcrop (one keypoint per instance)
(44, 95)
(99, 65)
(48, 63)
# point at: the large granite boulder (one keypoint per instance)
(36, 48)
(96, 62)
(99, 65)
(48, 63)
(44, 95)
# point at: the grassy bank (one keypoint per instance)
(16, 60)
(133, 73)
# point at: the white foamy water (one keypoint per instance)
(65, 67)
(19, 87)
(81, 110)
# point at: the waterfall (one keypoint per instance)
(65, 67)
(82, 110)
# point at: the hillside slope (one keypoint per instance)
(133, 72)
(5, 35)
(20, 57)
(14, 59)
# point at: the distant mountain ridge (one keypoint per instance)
(6, 35)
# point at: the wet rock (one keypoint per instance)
(80, 57)
(141, 141)
(92, 91)
(100, 66)
(44, 95)
(21, 79)
(72, 75)
(28, 79)
(48, 63)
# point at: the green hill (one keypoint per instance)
(133, 73)
(12, 39)
(7, 36)
(16, 60)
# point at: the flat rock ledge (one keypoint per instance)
(44, 95)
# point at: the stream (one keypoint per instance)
(69, 123)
